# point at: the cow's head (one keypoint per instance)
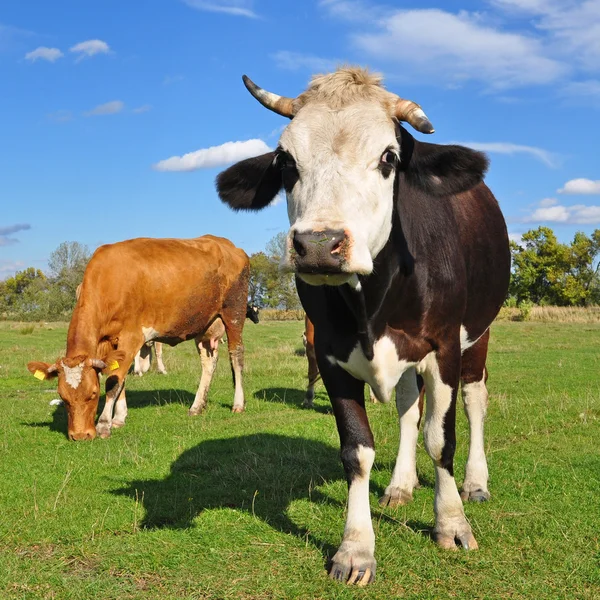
(79, 388)
(337, 161)
(252, 313)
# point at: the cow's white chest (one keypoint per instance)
(382, 373)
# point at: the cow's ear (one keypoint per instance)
(42, 370)
(440, 170)
(250, 184)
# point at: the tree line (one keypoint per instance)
(544, 272)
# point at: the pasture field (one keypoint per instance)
(252, 505)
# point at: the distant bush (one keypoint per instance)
(276, 314)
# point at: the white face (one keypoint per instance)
(341, 185)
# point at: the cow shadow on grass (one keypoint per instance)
(261, 474)
(294, 398)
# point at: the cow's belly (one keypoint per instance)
(382, 373)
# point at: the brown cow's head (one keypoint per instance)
(337, 161)
(79, 388)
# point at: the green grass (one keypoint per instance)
(251, 505)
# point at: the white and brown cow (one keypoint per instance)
(402, 262)
(145, 289)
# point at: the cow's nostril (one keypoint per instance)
(299, 247)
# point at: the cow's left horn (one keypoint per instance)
(411, 112)
(96, 363)
(282, 105)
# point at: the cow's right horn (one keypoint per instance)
(282, 105)
(411, 112)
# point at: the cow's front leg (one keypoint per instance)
(114, 387)
(441, 374)
(409, 402)
(354, 561)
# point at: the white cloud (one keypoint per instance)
(61, 116)
(44, 53)
(548, 158)
(456, 48)
(90, 48)
(293, 61)
(548, 202)
(109, 108)
(578, 214)
(516, 237)
(141, 109)
(237, 8)
(8, 268)
(5, 232)
(582, 92)
(216, 156)
(581, 186)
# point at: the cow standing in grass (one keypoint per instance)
(166, 290)
(402, 262)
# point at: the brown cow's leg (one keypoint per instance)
(409, 402)
(475, 398)
(115, 382)
(313, 367)
(208, 357)
(441, 372)
(158, 348)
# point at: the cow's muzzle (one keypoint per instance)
(320, 252)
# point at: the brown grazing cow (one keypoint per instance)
(145, 289)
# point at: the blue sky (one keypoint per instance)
(98, 96)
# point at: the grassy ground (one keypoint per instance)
(251, 506)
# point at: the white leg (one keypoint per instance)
(158, 349)
(105, 421)
(355, 556)
(143, 360)
(120, 410)
(404, 477)
(450, 521)
(208, 358)
(237, 365)
(475, 486)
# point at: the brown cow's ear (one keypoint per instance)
(250, 184)
(113, 361)
(42, 370)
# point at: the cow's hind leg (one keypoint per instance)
(475, 398)
(354, 561)
(158, 349)
(441, 372)
(234, 324)
(208, 357)
(409, 402)
(313, 376)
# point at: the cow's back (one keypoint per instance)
(166, 284)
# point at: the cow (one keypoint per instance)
(402, 262)
(141, 290)
(143, 359)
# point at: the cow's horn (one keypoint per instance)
(96, 363)
(280, 104)
(412, 113)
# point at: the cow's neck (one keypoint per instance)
(83, 335)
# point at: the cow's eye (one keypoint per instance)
(389, 157)
(289, 170)
(285, 160)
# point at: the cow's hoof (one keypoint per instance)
(478, 495)
(103, 431)
(196, 411)
(117, 424)
(307, 403)
(395, 496)
(237, 409)
(162, 372)
(353, 564)
(464, 537)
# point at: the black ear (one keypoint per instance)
(250, 184)
(441, 170)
